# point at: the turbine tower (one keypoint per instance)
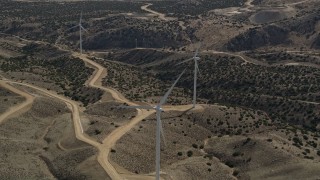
(196, 58)
(80, 30)
(159, 130)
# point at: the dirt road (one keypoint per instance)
(114, 136)
(245, 59)
(20, 108)
(160, 15)
(94, 81)
(74, 107)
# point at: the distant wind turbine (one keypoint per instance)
(159, 130)
(196, 58)
(80, 29)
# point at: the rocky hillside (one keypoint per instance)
(302, 28)
(316, 42)
(126, 32)
(258, 37)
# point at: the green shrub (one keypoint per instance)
(235, 172)
(237, 153)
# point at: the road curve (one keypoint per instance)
(74, 107)
(95, 81)
(113, 137)
(160, 15)
(13, 110)
(242, 57)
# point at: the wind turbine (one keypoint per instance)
(196, 58)
(80, 29)
(159, 130)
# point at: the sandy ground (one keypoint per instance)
(181, 129)
(33, 137)
(263, 159)
(103, 118)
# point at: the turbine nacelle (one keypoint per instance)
(158, 108)
(80, 31)
(196, 58)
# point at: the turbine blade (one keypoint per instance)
(80, 18)
(135, 107)
(72, 27)
(162, 133)
(185, 61)
(198, 70)
(165, 97)
(83, 29)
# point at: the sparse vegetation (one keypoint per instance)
(138, 85)
(261, 105)
(55, 70)
(235, 172)
(187, 8)
(237, 153)
(258, 87)
(189, 153)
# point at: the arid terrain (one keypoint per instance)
(257, 112)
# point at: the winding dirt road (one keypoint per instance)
(115, 135)
(245, 59)
(104, 148)
(74, 107)
(111, 139)
(160, 15)
(24, 106)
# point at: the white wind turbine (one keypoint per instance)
(80, 29)
(159, 130)
(196, 58)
